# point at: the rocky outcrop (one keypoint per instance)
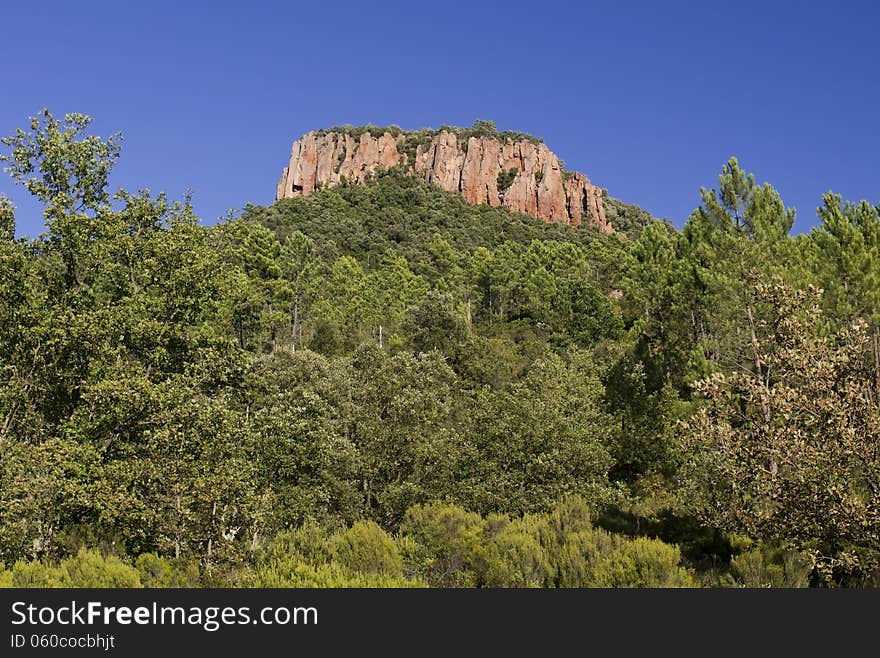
(522, 175)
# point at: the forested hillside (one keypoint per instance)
(383, 385)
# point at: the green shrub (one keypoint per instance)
(309, 543)
(768, 566)
(156, 571)
(88, 568)
(297, 574)
(446, 543)
(505, 179)
(367, 549)
(640, 562)
(514, 556)
(33, 574)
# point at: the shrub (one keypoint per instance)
(514, 556)
(445, 541)
(88, 568)
(156, 571)
(367, 549)
(308, 543)
(296, 574)
(640, 562)
(768, 566)
(505, 179)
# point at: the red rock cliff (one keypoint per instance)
(536, 182)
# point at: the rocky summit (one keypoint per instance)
(509, 170)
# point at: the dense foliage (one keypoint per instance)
(381, 385)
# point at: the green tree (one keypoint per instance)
(7, 220)
(347, 310)
(765, 464)
(305, 464)
(67, 171)
(735, 240)
(301, 266)
(400, 415)
(544, 437)
(848, 269)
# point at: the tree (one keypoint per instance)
(301, 267)
(436, 323)
(733, 241)
(347, 310)
(72, 177)
(7, 220)
(399, 414)
(848, 266)
(398, 289)
(544, 437)
(306, 466)
(792, 457)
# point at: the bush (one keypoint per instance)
(640, 562)
(297, 574)
(32, 574)
(444, 543)
(367, 549)
(308, 543)
(88, 568)
(513, 555)
(584, 556)
(156, 571)
(505, 179)
(768, 566)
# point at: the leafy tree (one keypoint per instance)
(348, 309)
(735, 240)
(400, 417)
(436, 323)
(7, 220)
(766, 465)
(71, 178)
(301, 266)
(306, 465)
(543, 438)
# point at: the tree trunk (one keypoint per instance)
(272, 330)
(211, 529)
(294, 324)
(877, 360)
(177, 528)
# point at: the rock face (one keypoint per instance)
(530, 175)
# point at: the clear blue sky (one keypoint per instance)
(649, 99)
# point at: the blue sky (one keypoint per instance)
(649, 99)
